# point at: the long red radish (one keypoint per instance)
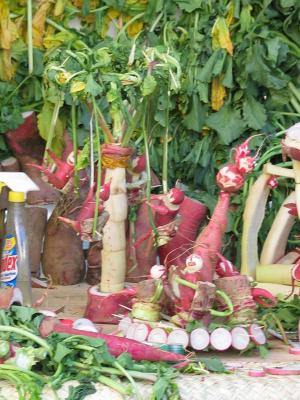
(199, 339)
(257, 334)
(178, 336)
(141, 332)
(124, 325)
(220, 339)
(118, 345)
(240, 338)
(157, 335)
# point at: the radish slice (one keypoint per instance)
(141, 332)
(240, 338)
(178, 336)
(199, 339)
(220, 339)
(288, 370)
(124, 324)
(157, 335)
(256, 373)
(294, 350)
(131, 331)
(257, 334)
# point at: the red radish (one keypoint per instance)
(288, 370)
(256, 373)
(124, 325)
(259, 293)
(230, 179)
(131, 331)
(199, 339)
(220, 339)
(296, 272)
(141, 332)
(225, 268)
(158, 271)
(157, 335)
(118, 345)
(257, 334)
(272, 182)
(178, 336)
(192, 213)
(240, 338)
(138, 164)
(294, 350)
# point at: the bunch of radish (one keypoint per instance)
(220, 339)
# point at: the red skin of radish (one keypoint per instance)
(225, 268)
(258, 293)
(253, 337)
(117, 345)
(174, 252)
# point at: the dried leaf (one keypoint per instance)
(8, 30)
(7, 69)
(218, 94)
(38, 22)
(221, 36)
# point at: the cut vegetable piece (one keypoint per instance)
(199, 339)
(240, 338)
(131, 331)
(257, 334)
(286, 370)
(220, 339)
(178, 336)
(256, 373)
(141, 332)
(84, 324)
(124, 324)
(157, 335)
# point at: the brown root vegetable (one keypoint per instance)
(63, 256)
(36, 220)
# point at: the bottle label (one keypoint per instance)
(9, 262)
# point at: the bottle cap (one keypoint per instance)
(16, 197)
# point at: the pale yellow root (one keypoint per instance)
(114, 240)
(275, 273)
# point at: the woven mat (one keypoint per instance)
(236, 386)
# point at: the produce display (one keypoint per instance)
(164, 139)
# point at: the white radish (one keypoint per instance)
(141, 332)
(124, 324)
(157, 335)
(199, 339)
(220, 339)
(131, 331)
(157, 271)
(257, 334)
(178, 336)
(240, 338)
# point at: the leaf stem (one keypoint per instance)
(131, 21)
(29, 37)
(75, 145)
(99, 171)
(52, 129)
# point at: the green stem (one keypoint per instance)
(32, 374)
(165, 151)
(131, 380)
(29, 37)
(159, 17)
(113, 384)
(52, 129)
(55, 25)
(75, 145)
(17, 88)
(295, 104)
(3, 317)
(27, 335)
(136, 118)
(183, 282)
(138, 16)
(99, 171)
(294, 90)
(99, 9)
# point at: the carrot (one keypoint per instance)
(118, 345)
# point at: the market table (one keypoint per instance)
(235, 386)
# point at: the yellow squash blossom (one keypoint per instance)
(221, 36)
(218, 94)
(77, 86)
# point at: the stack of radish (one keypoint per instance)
(219, 339)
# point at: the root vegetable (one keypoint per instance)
(240, 338)
(131, 331)
(257, 334)
(199, 339)
(146, 311)
(178, 336)
(259, 293)
(118, 345)
(124, 324)
(141, 332)
(157, 335)
(158, 271)
(220, 339)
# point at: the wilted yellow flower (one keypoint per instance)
(221, 36)
(134, 28)
(113, 13)
(77, 86)
(218, 93)
(62, 77)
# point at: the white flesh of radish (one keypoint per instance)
(257, 334)
(178, 336)
(124, 324)
(220, 339)
(240, 338)
(199, 339)
(141, 332)
(157, 335)
(131, 331)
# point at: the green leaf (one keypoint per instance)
(213, 364)
(188, 5)
(196, 117)
(92, 86)
(61, 352)
(254, 113)
(205, 74)
(219, 63)
(23, 314)
(228, 80)
(149, 85)
(227, 123)
(273, 46)
(287, 3)
(81, 391)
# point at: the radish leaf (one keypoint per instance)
(254, 113)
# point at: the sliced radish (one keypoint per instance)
(240, 338)
(124, 324)
(178, 336)
(131, 331)
(257, 334)
(220, 339)
(294, 350)
(157, 335)
(257, 373)
(288, 370)
(141, 332)
(199, 339)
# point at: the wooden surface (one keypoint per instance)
(74, 299)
